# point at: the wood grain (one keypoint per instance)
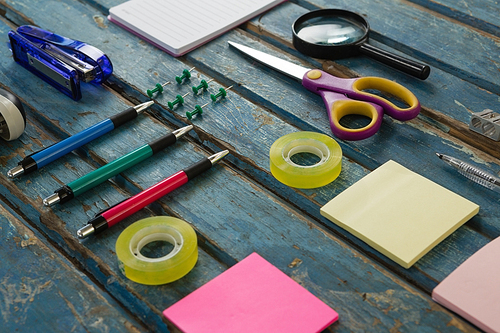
(238, 207)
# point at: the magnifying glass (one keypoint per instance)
(336, 34)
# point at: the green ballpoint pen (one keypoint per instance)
(98, 176)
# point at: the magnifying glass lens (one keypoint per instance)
(336, 34)
(330, 30)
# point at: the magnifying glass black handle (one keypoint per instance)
(408, 66)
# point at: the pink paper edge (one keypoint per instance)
(437, 297)
(458, 310)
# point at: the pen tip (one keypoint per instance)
(439, 155)
(141, 107)
(181, 131)
(147, 104)
(216, 157)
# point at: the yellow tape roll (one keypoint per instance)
(154, 271)
(311, 176)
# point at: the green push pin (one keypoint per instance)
(203, 85)
(186, 74)
(158, 88)
(222, 92)
(197, 110)
(178, 100)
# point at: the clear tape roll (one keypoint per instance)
(310, 176)
(13, 118)
(153, 271)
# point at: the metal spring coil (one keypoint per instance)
(479, 176)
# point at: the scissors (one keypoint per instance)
(344, 97)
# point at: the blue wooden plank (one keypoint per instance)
(227, 192)
(442, 92)
(40, 184)
(324, 194)
(423, 162)
(395, 140)
(239, 234)
(414, 31)
(482, 15)
(99, 259)
(41, 291)
(447, 100)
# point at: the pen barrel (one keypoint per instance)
(198, 168)
(109, 170)
(144, 198)
(121, 164)
(64, 193)
(479, 176)
(28, 164)
(124, 116)
(162, 142)
(65, 146)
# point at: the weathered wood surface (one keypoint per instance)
(482, 15)
(39, 287)
(238, 207)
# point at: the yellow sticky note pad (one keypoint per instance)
(399, 213)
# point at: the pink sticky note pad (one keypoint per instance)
(473, 289)
(252, 296)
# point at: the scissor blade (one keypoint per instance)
(278, 64)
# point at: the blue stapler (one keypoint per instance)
(60, 61)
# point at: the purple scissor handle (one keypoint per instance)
(344, 97)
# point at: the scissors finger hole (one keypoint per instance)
(345, 110)
(355, 121)
(398, 102)
(359, 115)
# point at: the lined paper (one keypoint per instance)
(180, 26)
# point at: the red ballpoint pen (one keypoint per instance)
(115, 214)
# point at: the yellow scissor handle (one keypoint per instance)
(392, 88)
(342, 108)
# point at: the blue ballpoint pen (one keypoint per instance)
(473, 173)
(39, 159)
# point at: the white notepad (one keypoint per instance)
(178, 27)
